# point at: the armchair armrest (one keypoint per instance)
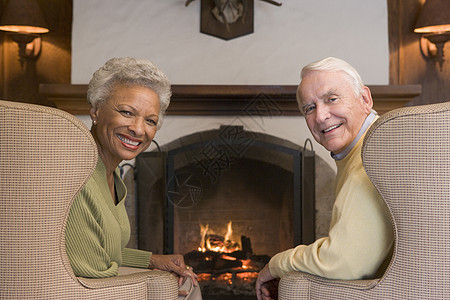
(160, 284)
(298, 285)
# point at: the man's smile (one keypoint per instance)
(331, 128)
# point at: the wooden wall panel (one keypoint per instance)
(54, 63)
(407, 64)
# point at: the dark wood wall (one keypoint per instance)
(407, 66)
(52, 66)
(406, 63)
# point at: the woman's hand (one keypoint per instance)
(173, 263)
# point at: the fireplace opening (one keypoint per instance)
(228, 200)
(226, 267)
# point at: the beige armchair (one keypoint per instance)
(406, 154)
(46, 156)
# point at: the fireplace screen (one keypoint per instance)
(228, 200)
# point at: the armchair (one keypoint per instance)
(406, 154)
(46, 156)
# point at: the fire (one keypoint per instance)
(216, 243)
(247, 277)
(203, 232)
(246, 263)
(224, 265)
(229, 232)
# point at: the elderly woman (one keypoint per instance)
(128, 99)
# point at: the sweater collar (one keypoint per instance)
(100, 175)
(369, 120)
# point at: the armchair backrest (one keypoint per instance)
(406, 154)
(46, 156)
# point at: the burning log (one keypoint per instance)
(210, 261)
(246, 244)
(221, 243)
(219, 262)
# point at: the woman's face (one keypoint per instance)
(125, 123)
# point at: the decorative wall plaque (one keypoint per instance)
(226, 19)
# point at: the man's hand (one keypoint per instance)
(266, 285)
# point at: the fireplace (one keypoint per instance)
(262, 185)
(197, 108)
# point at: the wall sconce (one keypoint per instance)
(24, 22)
(434, 25)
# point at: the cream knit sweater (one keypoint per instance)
(360, 236)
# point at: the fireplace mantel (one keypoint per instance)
(228, 99)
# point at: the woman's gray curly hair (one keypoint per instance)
(132, 72)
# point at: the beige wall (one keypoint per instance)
(285, 38)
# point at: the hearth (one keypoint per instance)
(225, 267)
(262, 185)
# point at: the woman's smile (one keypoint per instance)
(129, 142)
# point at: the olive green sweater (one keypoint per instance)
(97, 231)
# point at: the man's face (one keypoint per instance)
(333, 113)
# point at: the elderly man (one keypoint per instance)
(338, 111)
